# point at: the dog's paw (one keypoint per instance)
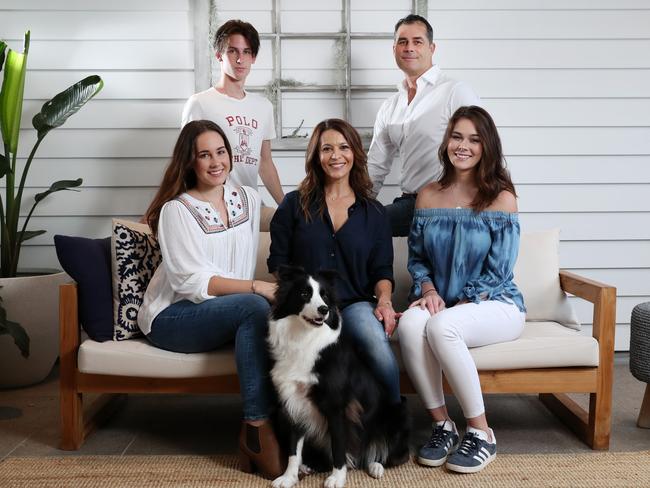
(285, 481)
(305, 470)
(336, 479)
(376, 470)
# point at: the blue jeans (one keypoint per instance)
(367, 334)
(200, 327)
(400, 214)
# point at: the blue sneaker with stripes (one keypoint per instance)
(443, 441)
(474, 453)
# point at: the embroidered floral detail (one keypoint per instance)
(237, 207)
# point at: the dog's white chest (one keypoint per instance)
(295, 351)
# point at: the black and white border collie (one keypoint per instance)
(333, 402)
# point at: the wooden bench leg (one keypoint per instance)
(71, 404)
(592, 427)
(644, 415)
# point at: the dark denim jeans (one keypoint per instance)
(200, 327)
(367, 333)
(400, 214)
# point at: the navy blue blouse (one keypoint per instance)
(361, 250)
(465, 254)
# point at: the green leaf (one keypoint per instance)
(15, 330)
(58, 186)
(28, 234)
(11, 96)
(3, 46)
(5, 165)
(55, 112)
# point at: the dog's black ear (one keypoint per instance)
(288, 272)
(329, 276)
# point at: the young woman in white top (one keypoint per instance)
(203, 294)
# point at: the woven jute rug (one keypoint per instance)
(535, 470)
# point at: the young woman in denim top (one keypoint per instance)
(462, 249)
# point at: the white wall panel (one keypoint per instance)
(376, 20)
(556, 83)
(559, 5)
(539, 24)
(374, 5)
(90, 143)
(86, 25)
(320, 5)
(156, 85)
(605, 254)
(110, 114)
(96, 172)
(225, 6)
(311, 21)
(581, 226)
(628, 282)
(624, 306)
(261, 19)
(583, 198)
(103, 201)
(96, 5)
(579, 169)
(100, 55)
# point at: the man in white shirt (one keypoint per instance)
(246, 118)
(411, 124)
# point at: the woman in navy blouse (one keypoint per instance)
(462, 249)
(332, 222)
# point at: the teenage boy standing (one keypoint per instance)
(246, 118)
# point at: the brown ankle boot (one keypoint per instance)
(259, 451)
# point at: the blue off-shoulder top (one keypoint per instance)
(465, 254)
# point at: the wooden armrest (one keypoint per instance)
(582, 287)
(604, 299)
(69, 333)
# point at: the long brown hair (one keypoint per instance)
(492, 176)
(179, 175)
(312, 188)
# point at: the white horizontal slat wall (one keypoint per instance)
(118, 143)
(567, 81)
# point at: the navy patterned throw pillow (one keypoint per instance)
(135, 257)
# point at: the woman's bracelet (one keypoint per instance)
(253, 287)
(428, 291)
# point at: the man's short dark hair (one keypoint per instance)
(412, 19)
(236, 26)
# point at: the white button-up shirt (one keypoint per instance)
(415, 130)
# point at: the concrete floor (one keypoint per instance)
(177, 424)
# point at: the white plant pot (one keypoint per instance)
(33, 302)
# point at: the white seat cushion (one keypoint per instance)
(137, 357)
(542, 345)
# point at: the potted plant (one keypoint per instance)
(29, 310)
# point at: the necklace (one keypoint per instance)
(210, 201)
(459, 203)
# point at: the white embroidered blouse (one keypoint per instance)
(196, 245)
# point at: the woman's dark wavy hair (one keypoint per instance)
(312, 188)
(492, 176)
(179, 175)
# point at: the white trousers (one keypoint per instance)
(433, 344)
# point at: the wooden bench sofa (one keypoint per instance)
(549, 359)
